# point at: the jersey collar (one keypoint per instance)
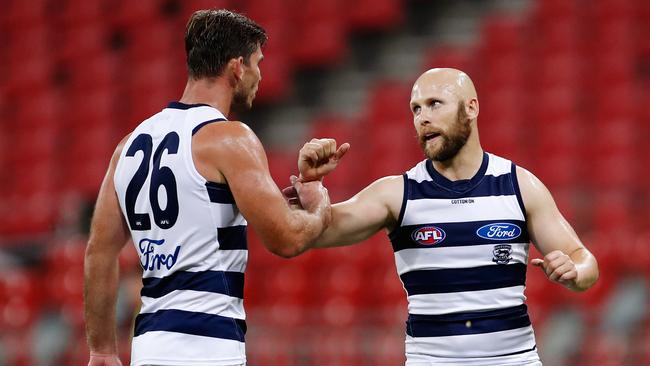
(461, 185)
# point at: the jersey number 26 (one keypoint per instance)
(160, 176)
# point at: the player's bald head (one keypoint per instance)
(447, 81)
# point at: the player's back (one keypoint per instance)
(191, 240)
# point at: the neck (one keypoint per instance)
(466, 163)
(214, 92)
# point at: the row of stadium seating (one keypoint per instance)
(562, 92)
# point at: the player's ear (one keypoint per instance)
(236, 68)
(471, 108)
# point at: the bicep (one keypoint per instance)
(548, 228)
(242, 161)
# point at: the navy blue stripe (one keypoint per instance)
(232, 238)
(456, 234)
(221, 282)
(464, 279)
(515, 186)
(467, 323)
(179, 105)
(489, 186)
(219, 193)
(189, 322)
(200, 125)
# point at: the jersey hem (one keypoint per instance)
(167, 362)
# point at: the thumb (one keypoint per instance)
(537, 262)
(289, 192)
(341, 151)
(293, 179)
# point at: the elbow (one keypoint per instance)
(285, 253)
(288, 245)
(288, 248)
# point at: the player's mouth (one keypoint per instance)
(430, 136)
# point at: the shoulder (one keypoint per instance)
(228, 136)
(533, 191)
(224, 132)
(528, 180)
(388, 182)
(118, 150)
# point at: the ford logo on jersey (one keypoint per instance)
(151, 260)
(428, 235)
(499, 231)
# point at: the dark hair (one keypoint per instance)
(214, 37)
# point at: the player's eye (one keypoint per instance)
(434, 103)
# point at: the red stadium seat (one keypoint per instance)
(28, 60)
(449, 56)
(82, 42)
(375, 14)
(552, 10)
(99, 73)
(388, 104)
(19, 14)
(501, 36)
(337, 347)
(153, 41)
(322, 39)
(24, 292)
(387, 346)
(135, 14)
(612, 214)
(77, 12)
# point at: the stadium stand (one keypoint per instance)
(563, 87)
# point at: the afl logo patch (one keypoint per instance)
(428, 235)
(499, 231)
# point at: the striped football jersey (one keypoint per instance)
(191, 240)
(461, 249)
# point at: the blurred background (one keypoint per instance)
(564, 87)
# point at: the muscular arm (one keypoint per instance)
(374, 208)
(230, 152)
(555, 238)
(108, 235)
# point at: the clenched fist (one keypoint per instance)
(558, 268)
(318, 157)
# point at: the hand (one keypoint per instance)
(104, 359)
(558, 268)
(291, 195)
(310, 195)
(318, 157)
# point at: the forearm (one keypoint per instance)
(101, 279)
(296, 231)
(587, 268)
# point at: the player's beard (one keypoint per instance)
(242, 100)
(451, 141)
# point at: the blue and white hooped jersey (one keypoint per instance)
(461, 249)
(191, 240)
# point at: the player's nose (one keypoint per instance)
(422, 119)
